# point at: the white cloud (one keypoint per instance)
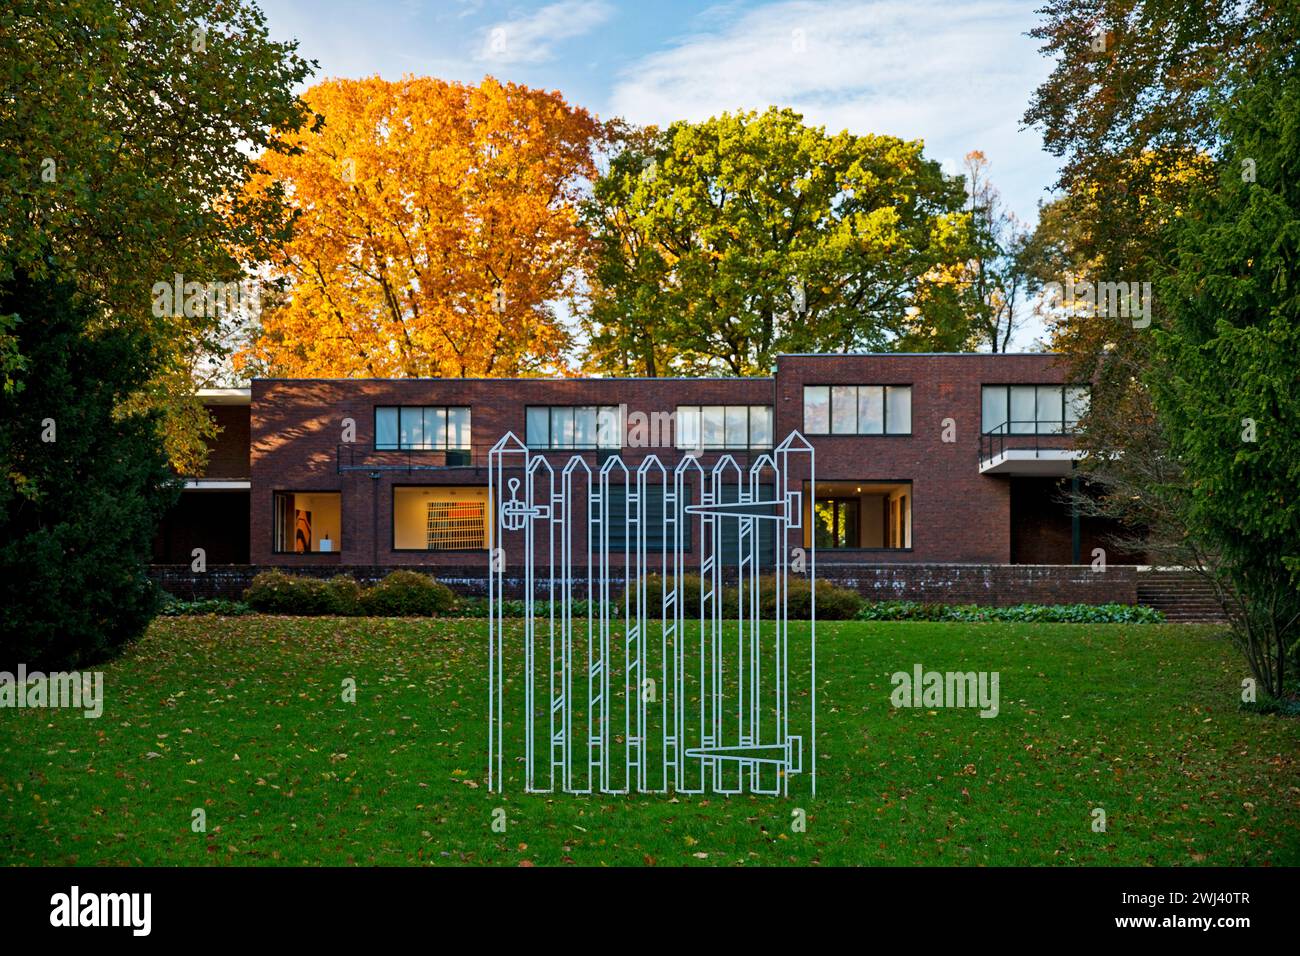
(529, 39)
(957, 76)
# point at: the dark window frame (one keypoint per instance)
(277, 492)
(550, 411)
(1066, 429)
(884, 412)
(445, 447)
(392, 522)
(749, 426)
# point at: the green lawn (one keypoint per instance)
(243, 717)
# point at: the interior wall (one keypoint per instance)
(873, 521)
(326, 514)
(410, 512)
(874, 524)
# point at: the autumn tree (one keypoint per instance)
(435, 225)
(718, 245)
(124, 135)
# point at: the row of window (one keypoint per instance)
(421, 428)
(573, 426)
(827, 410)
(1032, 409)
(454, 518)
(857, 409)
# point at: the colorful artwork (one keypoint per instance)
(302, 531)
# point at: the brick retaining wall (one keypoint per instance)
(988, 584)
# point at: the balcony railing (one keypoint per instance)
(996, 441)
(355, 456)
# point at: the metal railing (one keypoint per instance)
(357, 456)
(997, 440)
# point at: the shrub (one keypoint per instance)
(834, 603)
(407, 594)
(278, 593)
(170, 606)
(1020, 613)
(344, 595)
(655, 585)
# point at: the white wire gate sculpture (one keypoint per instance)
(660, 660)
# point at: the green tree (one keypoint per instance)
(720, 244)
(84, 483)
(1226, 380)
(1129, 107)
(127, 132)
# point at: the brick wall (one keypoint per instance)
(297, 426)
(228, 452)
(1000, 585)
(958, 515)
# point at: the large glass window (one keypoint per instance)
(440, 518)
(871, 409)
(307, 522)
(837, 522)
(857, 409)
(1076, 405)
(573, 426)
(1032, 409)
(1024, 402)
(870, 515)
(421, 428)
(724, 426)
(817, 409)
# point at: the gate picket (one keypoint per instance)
(684, 687)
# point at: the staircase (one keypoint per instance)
(1179, 595)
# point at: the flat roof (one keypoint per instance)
(536, 378)
(914, 354)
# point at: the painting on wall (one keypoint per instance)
(302, 531)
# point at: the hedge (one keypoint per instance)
(400, 594)
(1019, 613)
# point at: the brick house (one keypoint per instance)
(935, 473)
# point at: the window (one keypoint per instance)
(441, 518)
(724, 426)
(421, 428)
(857, 409)
(837, 523)
(622, 536)
(307, 522)
(1032, 409)
(573, 426)
(872, 515)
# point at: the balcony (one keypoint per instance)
(1006, 451)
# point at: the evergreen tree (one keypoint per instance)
(84, 485)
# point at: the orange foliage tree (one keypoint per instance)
(435, 222)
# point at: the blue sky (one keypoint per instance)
(954, 73)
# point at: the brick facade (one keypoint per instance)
(317, 435)
(297, 428)
(228, 452)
